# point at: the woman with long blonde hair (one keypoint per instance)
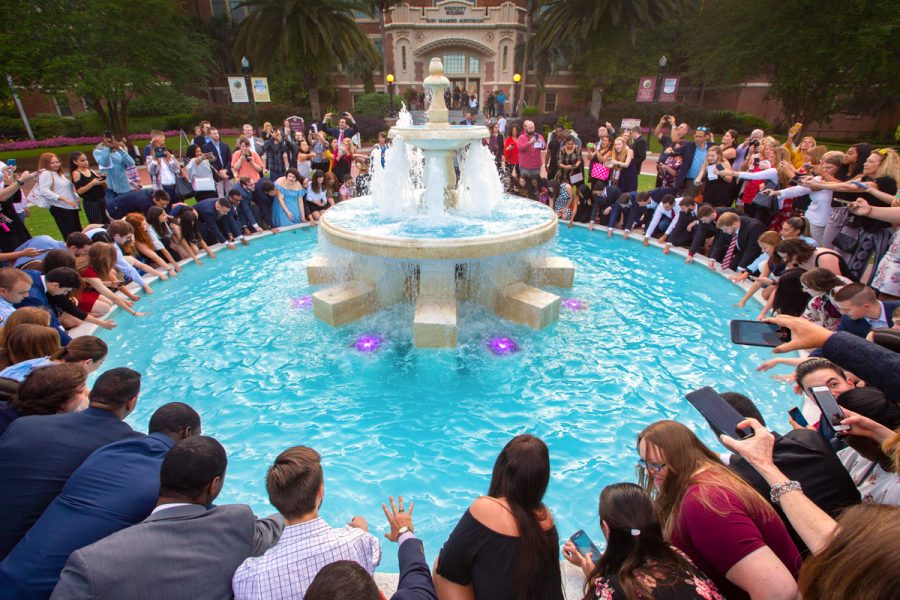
(621, 163)
(712, 515)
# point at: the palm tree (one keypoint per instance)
(317, 36)
(597, 19)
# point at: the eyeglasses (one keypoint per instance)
(703, 129)
(651, 466)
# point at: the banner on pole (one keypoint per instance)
(646, 89)
(261, 89)
(630, 124)
(669, 89)
(238, 89)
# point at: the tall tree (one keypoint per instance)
(315, 37)
(819, 56)
(604, 24)
(89, 48)
(379, 7)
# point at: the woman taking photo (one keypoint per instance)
(820, 208)
(304, 159)
(638, 562)
(163, 167)
(59, 193)
(288, 209)
(343, 162)
(712, 515)
(505, 547)
(90, 186)
(200, 173)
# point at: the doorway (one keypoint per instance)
(468, 84)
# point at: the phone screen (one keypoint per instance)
(585, 545)
(798, 417)
(720, 167)
(757, 333)
(830, 409)
(11, 162)
(719, 414)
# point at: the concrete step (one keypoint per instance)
(345, 303)
(528, 305)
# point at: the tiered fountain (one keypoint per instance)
(425, 237)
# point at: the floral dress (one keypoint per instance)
(822, 311)
(887, 274)
(690, 586)
(562, 203)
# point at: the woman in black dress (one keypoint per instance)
(91, 187)
(12, 230)
(505, 547)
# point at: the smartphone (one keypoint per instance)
(757, 333)
(585, 545)
(11, 162)
(720, 167)
(159, 152)
(829, 406)
(860, 185)
(719, 414)
(798, 417)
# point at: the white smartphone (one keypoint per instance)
(829, 406)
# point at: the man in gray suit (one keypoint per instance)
(183, 549)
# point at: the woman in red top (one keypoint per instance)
(724, 526)
(511, 152)
(96, 298)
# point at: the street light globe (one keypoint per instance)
(245, 63)
(517, 78)
(662, 61)
(390, 78)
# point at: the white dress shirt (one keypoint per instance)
(287, 569)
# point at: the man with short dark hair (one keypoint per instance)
(702, 229)
(861, 310)
(296, 488)
(183, 549)
(76, 242)
(116, 487)
(60, 281)
(217, 213)
(242, 191)
(38, 454)
(221, 162)
(694, 161)
(803, 455)
(343, 131)
(136, 201)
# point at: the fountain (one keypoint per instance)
(428, 236)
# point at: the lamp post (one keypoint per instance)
(390, 82)
(516, 79)
(659, 76)
(245, 67)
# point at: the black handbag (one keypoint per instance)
(845, 242)
(183, 187)
(770, 203)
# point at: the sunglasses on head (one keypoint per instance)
(703, 129)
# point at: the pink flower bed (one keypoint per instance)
(57, 142)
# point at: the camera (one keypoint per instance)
(753, 143)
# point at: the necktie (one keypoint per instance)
(726, 264)
(219, 153)
(340, 138)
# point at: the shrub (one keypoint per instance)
(374, 105)
(530, 111)
(164, 100)
(369, 127)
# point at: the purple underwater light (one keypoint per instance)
(501, 346)
(574, 304)
(368, 343)
(302, 302)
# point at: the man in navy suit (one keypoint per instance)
(737, 244)
(343, 131)
(221, 160)
(38, 454)
(58, 282)
(117, 486)
(347, 579)
(861, 310)
(694, 162)
(217, 214)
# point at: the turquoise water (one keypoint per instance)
(429, 424)
(511, 215)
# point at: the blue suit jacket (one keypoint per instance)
(38, 454)
(861, 327)
(877, 366)
(117, 486)
(37, 296)
(415, 576)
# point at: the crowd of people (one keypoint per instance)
(95, 509)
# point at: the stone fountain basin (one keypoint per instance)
(428, 137)
(516, 225)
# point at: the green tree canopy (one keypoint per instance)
(820, 56)
(106, 51)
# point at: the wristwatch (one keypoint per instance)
(404, 529)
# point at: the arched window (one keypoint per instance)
(403, 58)
(504, 65)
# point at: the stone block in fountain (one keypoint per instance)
(426, 237)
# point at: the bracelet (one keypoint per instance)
(780, 489)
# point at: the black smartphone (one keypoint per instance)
(758, 333)
(829, 406)
(585, 545)
(719, 414)
(720, 167)
(798, 417)
(159, 152)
